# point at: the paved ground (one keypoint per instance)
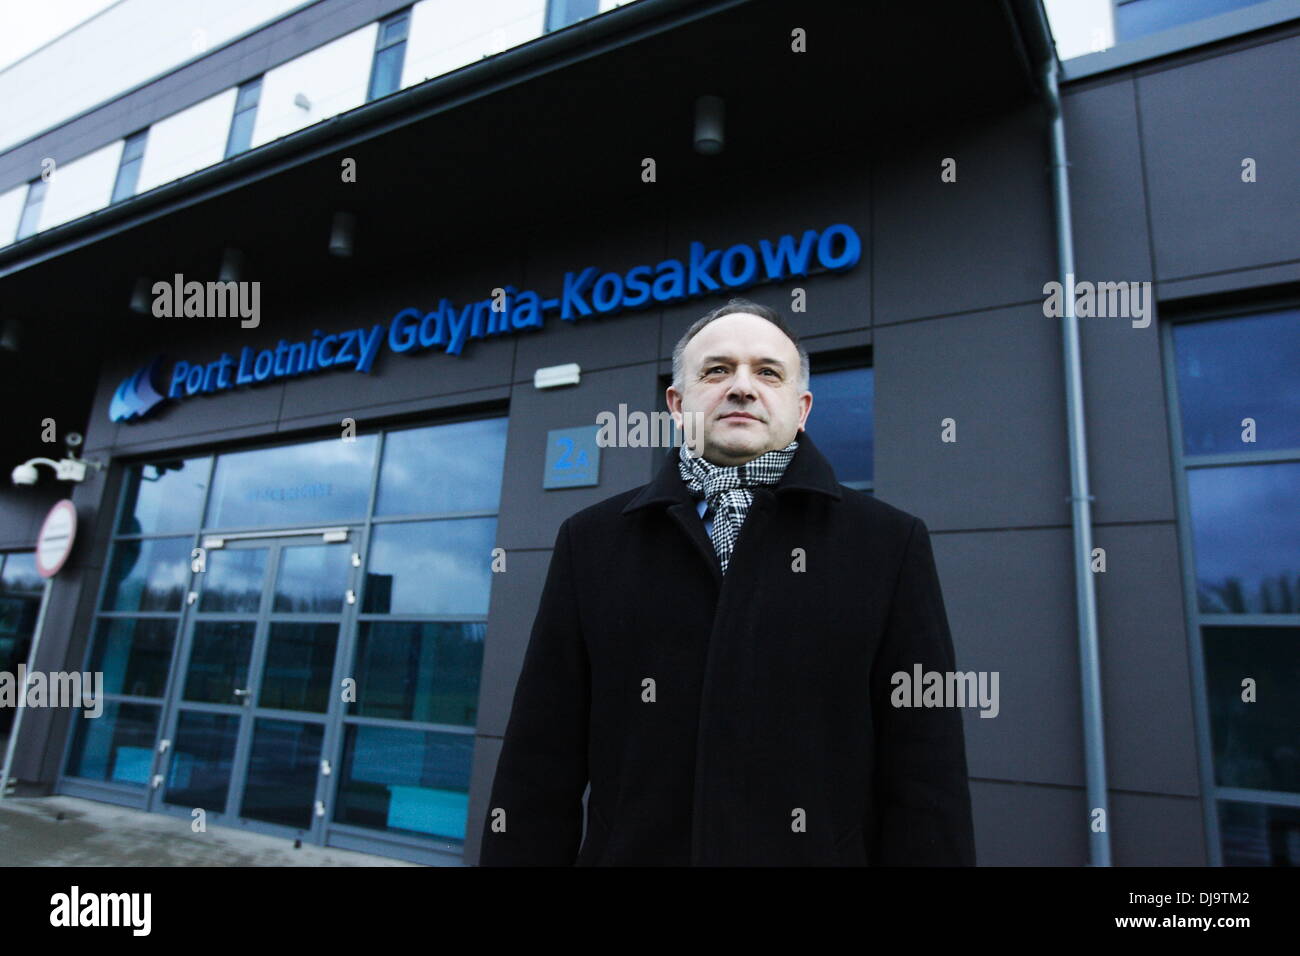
(100, 834)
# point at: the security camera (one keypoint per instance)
(25, 474)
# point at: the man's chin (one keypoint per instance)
(742, 448)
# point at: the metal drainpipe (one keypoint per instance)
(1094, 741)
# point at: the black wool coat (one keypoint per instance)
(737, 720)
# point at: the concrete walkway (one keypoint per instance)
(70, 831)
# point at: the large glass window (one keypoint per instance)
(843, 423)
(1233, 373)
(165, 495)
(294, 485)
(1139, 18)
(128, 171)
(390, 53)
(467, 457)
(241, 124)
(396, 597)
(562, 13)
(1237, 401)
(31, 216)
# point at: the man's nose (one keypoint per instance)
(742, 383)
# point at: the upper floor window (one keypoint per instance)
(241, 125)
(561, 13)
(1138, 18)
(128, 172)
(31, 208)
(390, 52)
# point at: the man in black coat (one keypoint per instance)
(720, 652)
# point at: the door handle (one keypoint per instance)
(242, 692)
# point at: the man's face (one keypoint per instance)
(740, 379)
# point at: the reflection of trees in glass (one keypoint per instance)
(1275, 595)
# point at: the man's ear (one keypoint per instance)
(806, 399)
(674, 400)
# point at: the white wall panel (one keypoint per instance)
(81, 186)
(333, 77)
(188, 140)
(448, 34)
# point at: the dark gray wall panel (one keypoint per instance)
(530, 516)
(1107, 198)
(23, 508)
(998, 374)
(1018, 825)
(612, 240)
(1009, 598)
(414, 375)
(813, 194)
(1148, 829)
(1146, 683)
(1127, 428)
(985, 240)
(1198, 122)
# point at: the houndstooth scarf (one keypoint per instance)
(726, 488)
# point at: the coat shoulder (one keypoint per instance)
(603, 512)
(879, 514)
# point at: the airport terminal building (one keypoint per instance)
(337, 293)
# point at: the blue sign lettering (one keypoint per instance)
(448, 327)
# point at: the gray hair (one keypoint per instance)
(750, 308)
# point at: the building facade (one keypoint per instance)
(457, 237)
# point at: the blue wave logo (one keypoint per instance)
(137, 395)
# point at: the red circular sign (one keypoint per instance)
(54, 543)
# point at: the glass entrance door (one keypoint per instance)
(254, 702)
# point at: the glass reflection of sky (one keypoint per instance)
(291, 485)
(165, 496)
(1235, 369)
(841, 421)
(19, 575)
(148, 575)
(432, 567)
(444, 468)
(1245, 525)
(312, 578)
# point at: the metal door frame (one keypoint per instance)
(274, 543)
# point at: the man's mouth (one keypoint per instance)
(740, 415)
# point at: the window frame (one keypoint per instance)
(400, 16)
(255, 84)
(1195, 620)
(134, 164)
(34, 207)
